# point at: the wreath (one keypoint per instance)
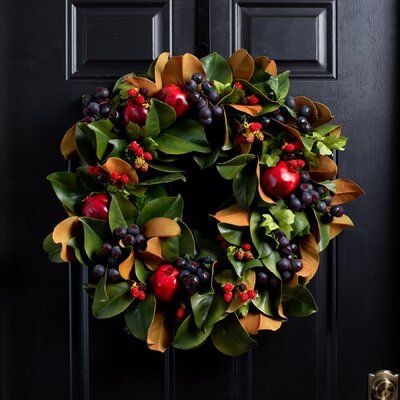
(248, 268)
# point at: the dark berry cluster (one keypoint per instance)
(137, 157)
(96, 105)
(130, 236)
(192, 274)
(239, 290)
(203, 96)
(290, 261)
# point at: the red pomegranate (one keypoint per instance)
(280, 181)
(96, 206)
(165, 282)
(175, 97)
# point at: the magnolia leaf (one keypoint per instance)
(338, 225)
(266, 64)
(180, 69)
(114, 164)
(229, 336)
(233, 215)
(140, 316)
(346, 191)
(159, 66)
(152, 256)
(126, 266)
(161, 227)
(261, 192)
(310, 256)
(143, 83)
(324, 114)
(68, 147)
(189, 336)
(250, 110)
(242, 64)
(326, 169)
(159, 334)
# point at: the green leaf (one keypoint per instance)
(140, 315)
(298, 301)
(285, 218)
(168, 207)
(111, 300)
(122, 212)
(245, 186)
(231, 168)
(52, 249)
(258, 236)
(170, 248)
(229, 336)
(239, 266)
(160, 117)
(68, 189)
(185, 136)
(166, 178)
(95, 233)
(187, 243)
(217, 68)
(231, 233)
(188, 336)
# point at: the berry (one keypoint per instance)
(244, 296)
(191, 85)
(321, 207)
(106, 248)
(287, 276)
(265, 121)
(180, 262)
(204, 113)
(228, 297)
(120, 232)
(283, 264)
(93, 108)
(326, 218)
(297, 265)
(252, 294)
(284, 241)
(104, 109)
(217, 111)
(101, 93)
(113, 274)
(279, 118)
(305, 111)
(184, 274)
(197, 77)
(228, 287)
(98, 271)
(133, 229)
(337, 211)
(290, 102)
(129, 240)
(262, 278)
(116, 252)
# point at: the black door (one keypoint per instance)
(340, 52)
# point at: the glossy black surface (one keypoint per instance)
(342, 53)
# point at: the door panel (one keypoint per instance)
(340, 52)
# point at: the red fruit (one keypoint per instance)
(165, 282)
(228, 297)
(175, 97)
(134, 113)
(96, 206)
(280, 181)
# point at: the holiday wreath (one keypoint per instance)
(250, 269)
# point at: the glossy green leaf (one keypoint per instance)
(298, 301)
(122, 212)
(217, 68)
(160, 117)
(185, 136)
(169, 207)
(229, 336)
(232, 167)
(188, 336)
(140, 315)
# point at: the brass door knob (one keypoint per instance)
(383, 385)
